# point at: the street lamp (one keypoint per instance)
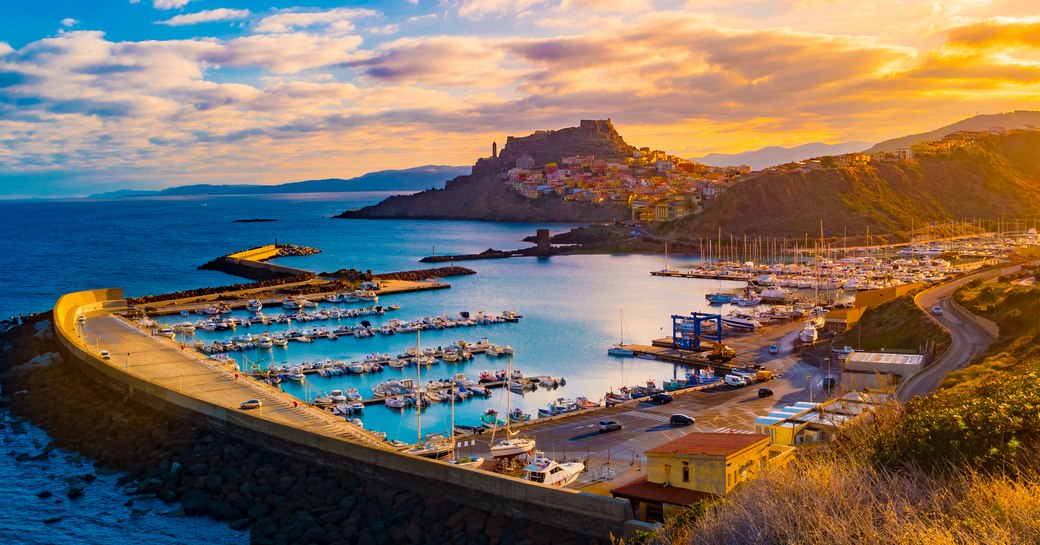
(809, 379)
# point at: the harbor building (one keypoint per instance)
(805, 422)
(696, 467)
(878, 370)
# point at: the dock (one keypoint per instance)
(661, 350)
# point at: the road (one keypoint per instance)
(967, 336)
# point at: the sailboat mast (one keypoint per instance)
(454, 454)
(418, 394)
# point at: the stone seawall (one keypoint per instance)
(253, 263)
(586, 514)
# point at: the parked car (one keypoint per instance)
(681, 420)
(937, 310)
(105, 355)
(609, 425)
(764, 392)
(734, 380)
(251, 404)
(661, 398)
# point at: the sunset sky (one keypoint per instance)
(145, 94)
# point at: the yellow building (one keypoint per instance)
(695, 467)
(805, 422)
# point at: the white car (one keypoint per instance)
(104, 355)
(937, 310)
(251, 404)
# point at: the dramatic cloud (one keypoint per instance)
(300, 92)
(207, 16)
(998, 32)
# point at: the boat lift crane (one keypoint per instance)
(689, 331)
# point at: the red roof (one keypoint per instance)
(709, 444)
(643, 490)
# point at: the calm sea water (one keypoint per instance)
(571, 304)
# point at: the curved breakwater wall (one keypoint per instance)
(588, 515)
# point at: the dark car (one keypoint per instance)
(681, 420)
(764, 392)
(661, 398)
(609, 425)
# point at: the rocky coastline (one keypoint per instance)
(277, 499)
(417, 275)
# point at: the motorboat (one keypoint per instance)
(518, 415)
(545, 470)
(337, 396)
(254, 305)
(808, 334)
(394, 403)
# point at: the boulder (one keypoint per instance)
(195, 501)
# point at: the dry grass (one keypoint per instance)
(840, 494)
(837, 502)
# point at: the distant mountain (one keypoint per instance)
(482, 195)
(1021, 119)
(776, 155)
(411, 179)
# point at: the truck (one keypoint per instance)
(763, 375)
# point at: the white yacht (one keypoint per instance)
(545, 470)
(808, 333)
(512, 446)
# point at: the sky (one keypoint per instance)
(146, 94)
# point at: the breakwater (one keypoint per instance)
(416, 275)
(219, 290)
(253, 263)
(490, 253)
(592, 516)
(277, 498)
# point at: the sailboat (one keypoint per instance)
(619, 348)
(513, 444)
(667, 269)
(435, 445)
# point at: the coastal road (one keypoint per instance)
(969, 335)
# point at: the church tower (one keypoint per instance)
(494, 150)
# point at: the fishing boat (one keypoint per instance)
(296, 376)
(720, 298)
(518, 415)
(489, 419)
(545, 470)
(619, 348)
(395, 403)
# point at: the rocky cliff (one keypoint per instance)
(486, 195)
(997, 177)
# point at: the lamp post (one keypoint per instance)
(828, 381)
(809, 380)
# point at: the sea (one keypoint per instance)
(573, 308)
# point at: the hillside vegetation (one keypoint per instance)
(897, 324)
(996, 176)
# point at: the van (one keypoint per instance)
(734, 380)
(763, 375)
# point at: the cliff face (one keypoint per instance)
(999, 177)
(485, 195)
